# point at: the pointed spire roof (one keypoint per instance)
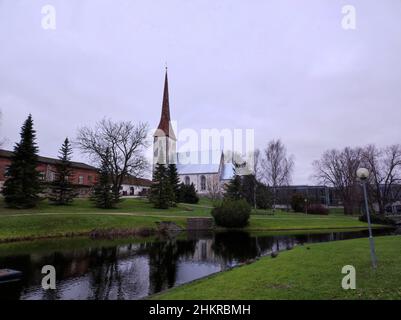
(165, 123)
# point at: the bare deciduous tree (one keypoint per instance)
(277, 167)
(385, 173)
(257, 164)
(338, 169)
(126, 143)
(214, 188)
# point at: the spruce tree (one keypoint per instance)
(22, 187)
(234, 189)
(103, 195)
(62, 190)
(174, 183)
(161, 192)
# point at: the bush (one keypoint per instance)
(317, 209)
(298, 202)
(188, 193)
(232, 214)
(377, 219)
(263, 197)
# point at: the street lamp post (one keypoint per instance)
(306, 206)
(363, 174)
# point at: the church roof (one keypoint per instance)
(164, 128)
(228, 171)
(199, 162)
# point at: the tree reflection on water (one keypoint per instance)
(136, 270)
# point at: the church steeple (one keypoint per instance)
(165, 142)
(165, 124)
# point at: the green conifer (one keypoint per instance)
(22, 187)
(62, 190)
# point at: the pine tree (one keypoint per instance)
(234, 189)
(22, 187)
(161, 192)
(174, 183)
(103, 195)
(62, 190)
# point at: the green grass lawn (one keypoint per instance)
(303, 273)
(128, 205)
(82, 217)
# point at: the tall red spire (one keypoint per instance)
(165, 124)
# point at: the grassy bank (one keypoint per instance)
(81, 217)
(306, 272)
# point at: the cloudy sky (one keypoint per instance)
(285, 68)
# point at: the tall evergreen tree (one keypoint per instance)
(161, 192)
(103, 195)
(62, 190)
(174, 182)
(22, 187)
(234, 189)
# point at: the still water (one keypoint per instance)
(133, 270)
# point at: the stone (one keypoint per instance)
(199, 223)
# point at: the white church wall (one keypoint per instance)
(196, 180)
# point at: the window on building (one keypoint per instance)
(187, 180)
(203, 183)
(81, 179)
(90, 179)
(52, 176)
(42, 176)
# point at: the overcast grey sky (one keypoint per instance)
(285, 68)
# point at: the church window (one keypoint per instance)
(203, 183)
(187, 180)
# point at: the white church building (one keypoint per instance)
(208, 170)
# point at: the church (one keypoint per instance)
(208, 170)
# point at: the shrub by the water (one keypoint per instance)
(377, 219)
(232, 214)
(317, 209)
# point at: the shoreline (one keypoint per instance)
(250, 281)
(114, 233)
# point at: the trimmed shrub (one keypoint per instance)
(377, 219)
(317, 209)
(232, 214)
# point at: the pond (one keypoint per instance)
(95, 269)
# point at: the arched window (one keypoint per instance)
(187, 181)
(203, 183)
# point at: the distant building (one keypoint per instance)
(327, 196)
(133, 186)
(207, 170)
(84, 176)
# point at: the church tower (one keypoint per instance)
(164, 140)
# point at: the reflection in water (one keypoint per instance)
(136, 270)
